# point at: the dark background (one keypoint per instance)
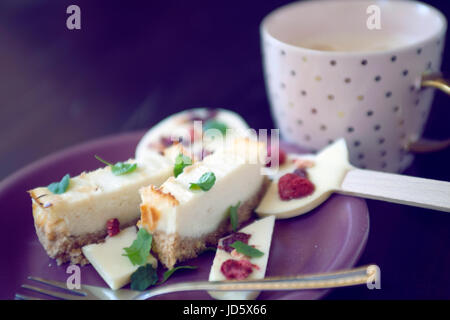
(135, 62)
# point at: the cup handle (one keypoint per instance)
(437, 81)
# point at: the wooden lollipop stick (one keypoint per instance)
(419, 192)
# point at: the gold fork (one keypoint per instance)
(351, 277)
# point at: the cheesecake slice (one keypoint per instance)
(108, 259)
(184, 221)
(257, 235)
(66, 222)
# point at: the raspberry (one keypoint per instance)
(236, 236)
(112, 227)
(236, 269)
(292, 186)
(281, 155)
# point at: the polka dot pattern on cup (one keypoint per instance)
(370, 100)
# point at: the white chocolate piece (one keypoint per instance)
(329, 170)
(109, 261)
(261, 237)
(177, 126)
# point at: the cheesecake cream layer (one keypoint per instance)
(65, 222)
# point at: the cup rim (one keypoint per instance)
(264, 30)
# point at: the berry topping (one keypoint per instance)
(112, 227)
(237, 269)
(166, 141)
(292, 186)
(236, 236)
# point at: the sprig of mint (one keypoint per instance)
(61, 186)
(119, 168)
(234, 216)
(139, 250)
(168, 273)
(214, 124)
(205, 182)
(247, 250)
(144, 277)
(181, 162)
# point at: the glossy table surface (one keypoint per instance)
(133, 64)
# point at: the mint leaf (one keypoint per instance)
(122, 168)
(247, 250)
(205, 182)
(234, 216)
(139, 250)
(168, 273)
(143, 277)
(181, 162)
(214, 124)
(119, 168)
(60, 187)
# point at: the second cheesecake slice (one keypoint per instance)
(184, 220)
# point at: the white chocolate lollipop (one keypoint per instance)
(181, 124)
(332, 172)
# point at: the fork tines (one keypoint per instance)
(68, 294)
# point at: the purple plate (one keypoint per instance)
(331, 237)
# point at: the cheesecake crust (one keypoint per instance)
(173, 248)
(67, 248)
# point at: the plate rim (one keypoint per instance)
(62, 153)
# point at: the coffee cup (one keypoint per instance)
(358, 70)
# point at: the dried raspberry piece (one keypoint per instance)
(194, 117)
(292, 186)
(211, 114)
(281, 155)
(166, 141)
(236, 269)
(112, 227)
(236, 236)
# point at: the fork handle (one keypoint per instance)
(357, 276)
